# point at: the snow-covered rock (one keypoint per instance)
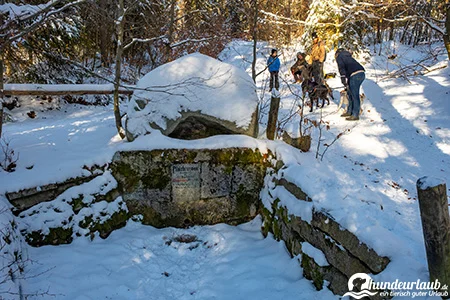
(192, 97)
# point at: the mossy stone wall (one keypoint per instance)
(344, 252)
(180, 187)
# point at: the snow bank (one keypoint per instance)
(195, 83)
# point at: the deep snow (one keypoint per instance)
(366, 181)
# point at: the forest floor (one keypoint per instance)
(366, 181)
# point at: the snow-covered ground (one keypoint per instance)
(366, 180)
(141, 262)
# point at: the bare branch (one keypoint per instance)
(180, 43)
(137, 40)
(282, 18)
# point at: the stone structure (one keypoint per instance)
(179, 187)
(194, 96)
(193, 125)
(191, 187)
(345, 253)
(27, 198)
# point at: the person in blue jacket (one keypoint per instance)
(352, 76)
(273, 62)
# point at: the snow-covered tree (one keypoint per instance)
(324, 18)
(335, 23)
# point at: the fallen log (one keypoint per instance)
(63, 89)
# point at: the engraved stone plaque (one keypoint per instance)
(186, 182)
(216, 181)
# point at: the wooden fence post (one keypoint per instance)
(434, 213)
(273, 117)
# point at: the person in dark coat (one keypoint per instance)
(352, 76)
(296, 68)
(273, 63)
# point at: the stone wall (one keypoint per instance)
(26, 198)
(179, 187)
(91, 209)
(191, 187)
(344, 252)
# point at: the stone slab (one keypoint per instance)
(27, 198)
(335, 254)
(215, 181)
(349, 241)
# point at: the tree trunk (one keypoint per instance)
(405, 31)
(255, 37)
(418, 35)
(447, 30)
(1, 76)
(171, 31)
(379, 37)
(273, 118)
(391, 32)
(288, 29)
(104, 39)
(447, 44)
(1, 96)
(119, 51)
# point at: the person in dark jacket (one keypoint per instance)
(296, 68)
(352, 76)
(273, 63)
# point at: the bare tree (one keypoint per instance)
(447, 29)
(1, 75)
(1, 93)
(120, 23)
(254, 36)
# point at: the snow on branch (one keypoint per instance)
(138, 40)
(413, 15)
(189, 13)
(164, 37)
(41, 13)
(180, 43)
(275, 16)
(27, 11)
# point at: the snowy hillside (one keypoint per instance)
(366, 181)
